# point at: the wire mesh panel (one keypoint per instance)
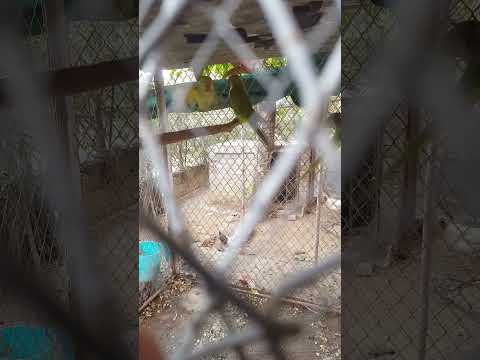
(28, 224)
(107, 137)
(391, 254)
(244, 197)
(104, 143)
(215, 178)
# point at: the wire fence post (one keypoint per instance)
(409, 183)
(429, 223)
(318, 210)
(378, 184)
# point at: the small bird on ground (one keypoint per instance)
(223, 238)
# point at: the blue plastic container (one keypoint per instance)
(35, 343)
(151, 254)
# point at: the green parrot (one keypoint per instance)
(201, 96)
(241, 105)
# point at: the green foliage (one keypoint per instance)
(216, 71)
(274, 63)
(176, 74)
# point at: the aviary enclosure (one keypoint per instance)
(399, 271)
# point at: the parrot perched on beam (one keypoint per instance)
(241, 105)
(202, 96)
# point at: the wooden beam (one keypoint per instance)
(75, 80)
(187, 134)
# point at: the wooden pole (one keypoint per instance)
(311, 180)
(267, 111)
(172, 137)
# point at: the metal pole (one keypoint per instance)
(378, 183)
(429, 219)
(318, 210)
(409, 189)
(242, 138)
(428, 226)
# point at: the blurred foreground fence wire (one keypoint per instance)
(409, 221)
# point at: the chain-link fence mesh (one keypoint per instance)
(107, 137)
(414, 276)
(104, 138)
(215, 177)
(384, 208)
(28, 225)
(248, 209)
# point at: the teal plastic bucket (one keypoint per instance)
(151, 254)
(35, 343)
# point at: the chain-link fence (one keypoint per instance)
(214, 178)
(107, 139)
(413, 274)
(248, 198)
(28, 224)
(102, 134)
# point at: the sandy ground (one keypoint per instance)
(283, 244)
(172, 311)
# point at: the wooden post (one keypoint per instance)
(267, 110)
(409, 186)
(311, 180)
(62, 107)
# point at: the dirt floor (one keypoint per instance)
(169, 314)
(282, 244)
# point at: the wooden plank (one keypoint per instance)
(75, 80)
(249, 16)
